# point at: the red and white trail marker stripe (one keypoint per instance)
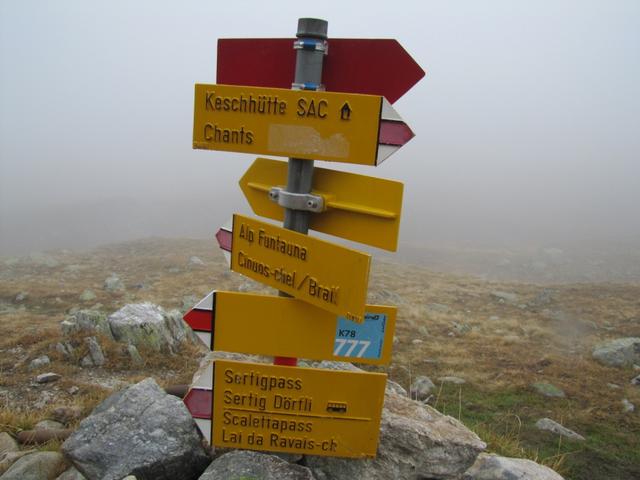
(199, 401)
(200, 319)
(225, 238)
(394, 133)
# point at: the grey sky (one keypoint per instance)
(527, 122)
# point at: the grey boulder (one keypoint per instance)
(146, 324)
(494, 467)
(421, 387)
(416, 442)
(88, 321)
(7, 443)
(554, 427)
(39, 362)
(141, 431)
(71, 474)
(621, 352)
(241, 464)
(35, 466)
(113, 283)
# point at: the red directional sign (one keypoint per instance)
(372, 66)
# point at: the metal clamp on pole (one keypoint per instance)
(297, 201)
(308, 86)
(312, 44)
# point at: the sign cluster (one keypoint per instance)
(324, 315)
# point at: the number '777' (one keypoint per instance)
(352, 344)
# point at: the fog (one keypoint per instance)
(527, 123)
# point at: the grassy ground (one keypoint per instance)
(448, 325)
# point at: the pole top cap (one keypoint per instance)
(312, 28)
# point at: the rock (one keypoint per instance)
(245, 464)
(195, 262)
(136, 358)
(87, 321)
(44, 399)
(142, 431)
(396, 388)
(21, 297)
(494, 467)
(613, 386)
(416, 341)
(188, 302)
(555, 427)
(48, 425)
(113, 284)
(87, 296)
(545, 297)
(66, 415)
(636, 380)
(95, 357)
(9, 458)
(7, 443)
(73, 390)
(460, 328)
(621, 352)
(454, 380)
(68, 328)
(421, 387)
(627, 406)
(437, 308)
(332, 365)
(146, 324)
(35, 466)
(41, 361)
(416, 441)
(65, 349)
(505, 297)
(548, 390)
(48, 377)
(71, 474)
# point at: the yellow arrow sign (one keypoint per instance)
(279, 326)
(324, 274)
(297, 410)
(304, 124)
(357, 207)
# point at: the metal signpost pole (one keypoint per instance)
(311, 48)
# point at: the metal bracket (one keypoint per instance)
(319, 87)
(311, 44)
(297, 201)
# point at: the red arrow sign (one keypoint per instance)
(372, 66)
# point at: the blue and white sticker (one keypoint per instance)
(360, 340)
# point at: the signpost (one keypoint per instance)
(268, 325)
(356, 207)
(302, 266)
(354, 65)
(303, 124)
(286, 408)
(290, 409)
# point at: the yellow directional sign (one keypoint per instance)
(357, 207)
(287, 327)
(304, 124)
(327, 275)
(296, 410)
